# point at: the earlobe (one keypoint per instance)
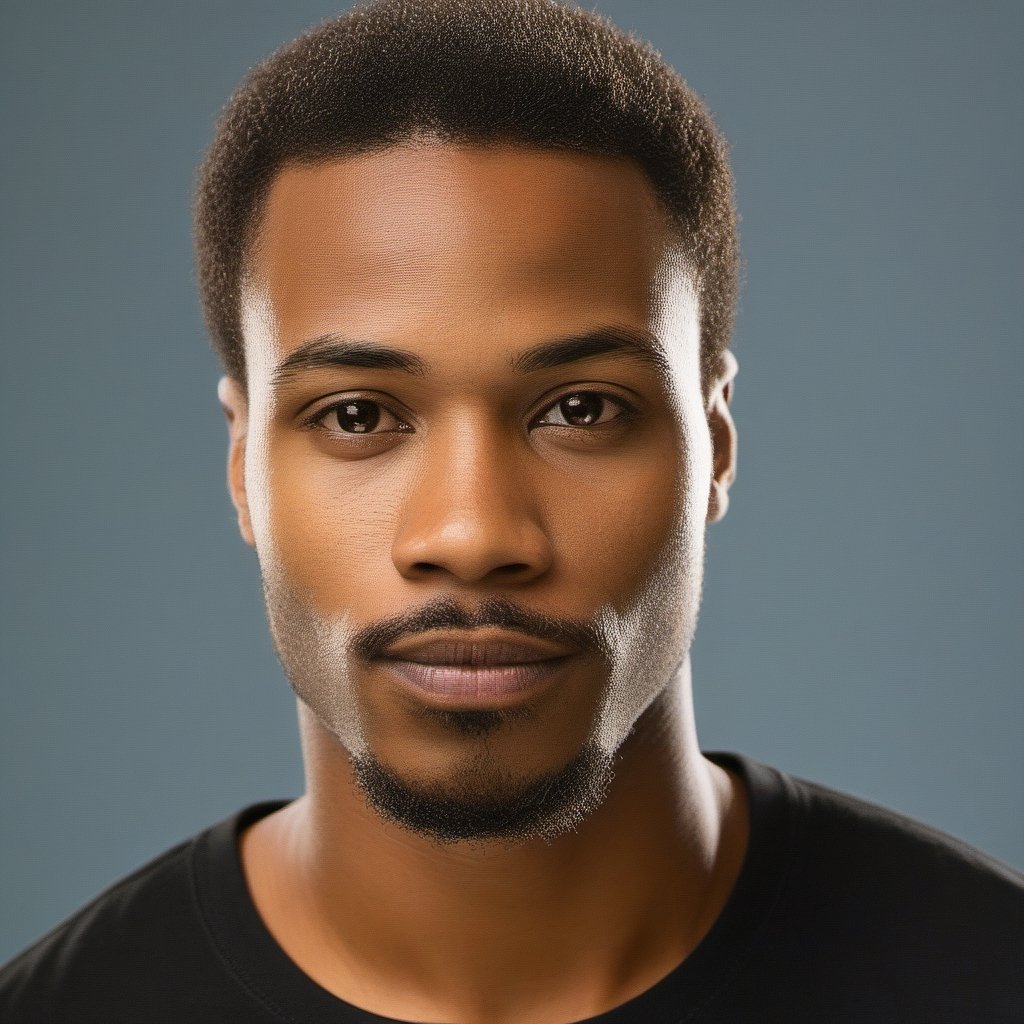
(234, 402)
(718, 502)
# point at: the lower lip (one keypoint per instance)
(477, 685)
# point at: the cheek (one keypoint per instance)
(327, 524)
(621, 515)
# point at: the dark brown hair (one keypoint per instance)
(532, 72)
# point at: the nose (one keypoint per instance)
(470, 512)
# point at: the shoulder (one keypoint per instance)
(899, 859)
(101, 943)
(885, 904)
(139, 947)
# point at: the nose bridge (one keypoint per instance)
(469, 510)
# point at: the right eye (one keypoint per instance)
(357, 416)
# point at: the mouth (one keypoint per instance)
(479, 668)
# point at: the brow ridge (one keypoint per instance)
(335, 350)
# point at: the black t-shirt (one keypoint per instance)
(843, 911)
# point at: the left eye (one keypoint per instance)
(582, 409)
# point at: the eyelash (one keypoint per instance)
(627, 414)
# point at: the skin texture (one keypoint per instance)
(553, 855)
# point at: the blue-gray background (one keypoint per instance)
(862, 621)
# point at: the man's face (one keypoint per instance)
(475, 482)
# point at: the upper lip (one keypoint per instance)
(478, 647)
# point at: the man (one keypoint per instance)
(471, 270)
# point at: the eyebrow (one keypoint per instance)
(328, 351)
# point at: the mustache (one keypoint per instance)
(497, 612)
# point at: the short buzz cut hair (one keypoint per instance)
(528, 72)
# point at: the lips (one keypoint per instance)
(478, 668)
(481, 648)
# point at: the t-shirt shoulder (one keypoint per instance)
(134, 943)
(880, 846)
(899, 913)
(34, 970)
(871, 841)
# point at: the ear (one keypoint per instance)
(723, 435)
(235, 404)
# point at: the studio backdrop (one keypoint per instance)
(863, 604)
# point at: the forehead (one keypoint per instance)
(460, 237)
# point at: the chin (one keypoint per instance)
(482, 799)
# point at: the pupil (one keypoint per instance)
(358, 417)
(579, 410)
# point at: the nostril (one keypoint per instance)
(513, 567)
(426, 567)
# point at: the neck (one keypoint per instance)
(492, 931)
